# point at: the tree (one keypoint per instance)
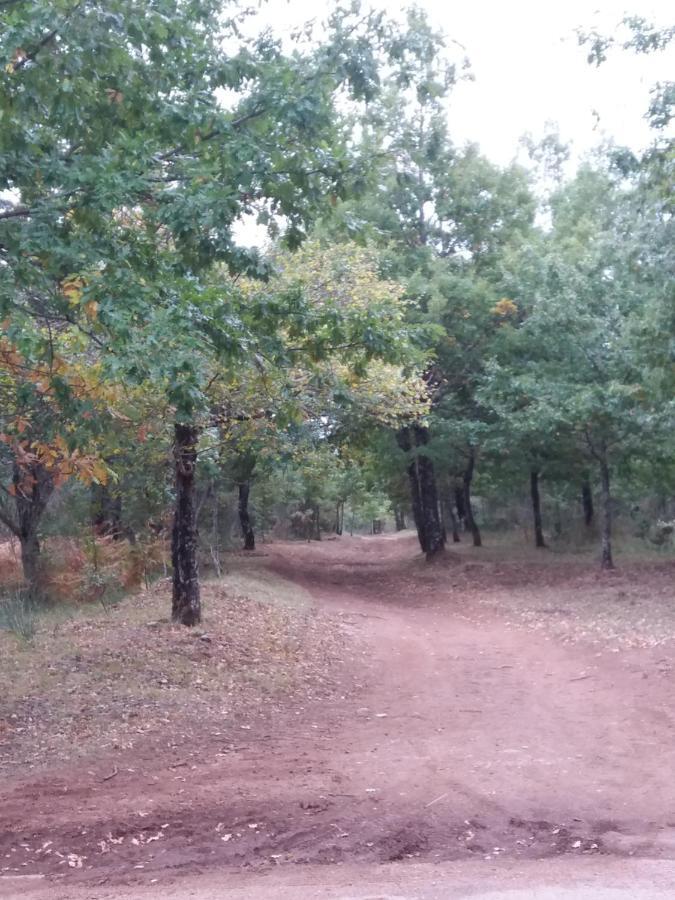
(131, 146)
(50, 420)
(333, 376)
(593, 283)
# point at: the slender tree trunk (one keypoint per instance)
(606, 558)
(587, 502)
(215, 534)
(536, 509)
(467, 479)
(30, 562)
(399, 518)
(33, 486)
(186, 605)
(339, 517)
(450, 518)
(244, 517)
(423, 490)
(317, 522)
(460, 506)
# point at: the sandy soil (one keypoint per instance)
(459, 731)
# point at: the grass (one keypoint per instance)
(573, 545)
(89, 678)
(18, 615)
(563, 591)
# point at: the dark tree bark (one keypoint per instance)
(339, 517)
(33, 486)
(423, 490)
(606, 558)
(244, 517)
(460, 506)
(587, 502)
(399, 518)
(242, 468)
(450, 519)
(467, 479)
(31, 563)
(186, 605)
(536, 509)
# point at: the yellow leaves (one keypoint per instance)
(346, 276)
(72, 288)
(99, 472)
(91, 310)
(385, 394)
(56, 458)
(504, 308)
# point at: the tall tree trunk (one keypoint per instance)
(316, 519)
(339, 517)
(536, 509)
(460, 505)
(587, 502)
(606, 559)
(33, 486)
(399, 518)
(186, 605)
(450, 518)
(215, 533)
(423, 490)
(244, 517)
(30, 563)
(467, 479)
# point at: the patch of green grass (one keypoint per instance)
(18, 614)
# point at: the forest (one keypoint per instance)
(422, 325)
(337, 473)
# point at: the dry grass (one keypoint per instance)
(566, 594)
(96, 679)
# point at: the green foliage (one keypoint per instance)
(408, 280)
(18, 615)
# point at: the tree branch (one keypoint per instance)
(30, 57)
(17, 212)
(6, 520)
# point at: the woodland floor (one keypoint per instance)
(345, 703)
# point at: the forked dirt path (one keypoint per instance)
(457, 737)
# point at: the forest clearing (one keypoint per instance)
(484, 708)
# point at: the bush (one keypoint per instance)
(18, 614)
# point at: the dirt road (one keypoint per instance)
(457, 737)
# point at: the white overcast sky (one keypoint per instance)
(529, 69)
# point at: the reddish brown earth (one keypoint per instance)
(459, 733)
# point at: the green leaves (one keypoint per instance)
(131, 147)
